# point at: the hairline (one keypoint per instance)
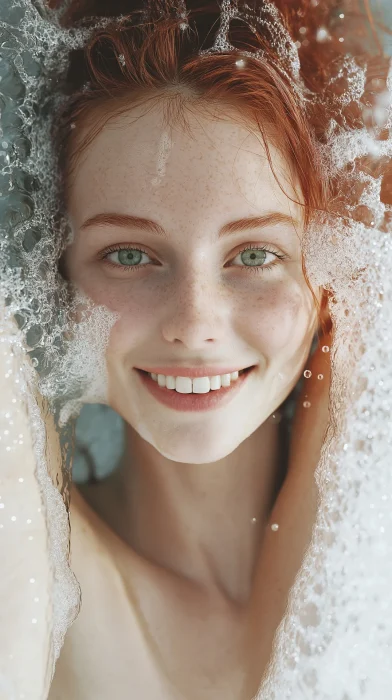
(175, 107)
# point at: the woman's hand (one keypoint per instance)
(294, 513)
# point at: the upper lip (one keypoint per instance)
(180, 371)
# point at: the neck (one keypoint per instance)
(204, 523)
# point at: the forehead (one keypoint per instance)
(213, 164)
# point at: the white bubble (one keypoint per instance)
(322, 34)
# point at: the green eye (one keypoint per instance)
(126, 257)
(253, 256)
(129, 256)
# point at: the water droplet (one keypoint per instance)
(322, 34)
(276, 417)
(306, 404)
(307, 373)
(325, 348)
(275, 527)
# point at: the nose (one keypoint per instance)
(196, 313)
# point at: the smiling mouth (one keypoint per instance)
(241, 371)
(182, 397)
(180, 385)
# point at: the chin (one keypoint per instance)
(188, 455)
(191, 445)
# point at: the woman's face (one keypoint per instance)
(196, 295)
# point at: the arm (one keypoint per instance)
(295, 512)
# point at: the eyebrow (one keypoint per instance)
(273, 218)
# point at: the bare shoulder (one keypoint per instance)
(141, 632)
(104, 652)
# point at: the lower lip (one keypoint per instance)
(194, 402)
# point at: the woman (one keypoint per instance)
(187, 552)
(175, 535)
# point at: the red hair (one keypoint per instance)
(136, 60)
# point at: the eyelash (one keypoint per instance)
(256, 269)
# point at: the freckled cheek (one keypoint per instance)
(279, 319)
(87, 274)
(101, 293)
(117, 294)
(136, 322)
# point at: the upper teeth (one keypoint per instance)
(198, 385)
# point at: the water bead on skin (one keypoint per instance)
(276, 417)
